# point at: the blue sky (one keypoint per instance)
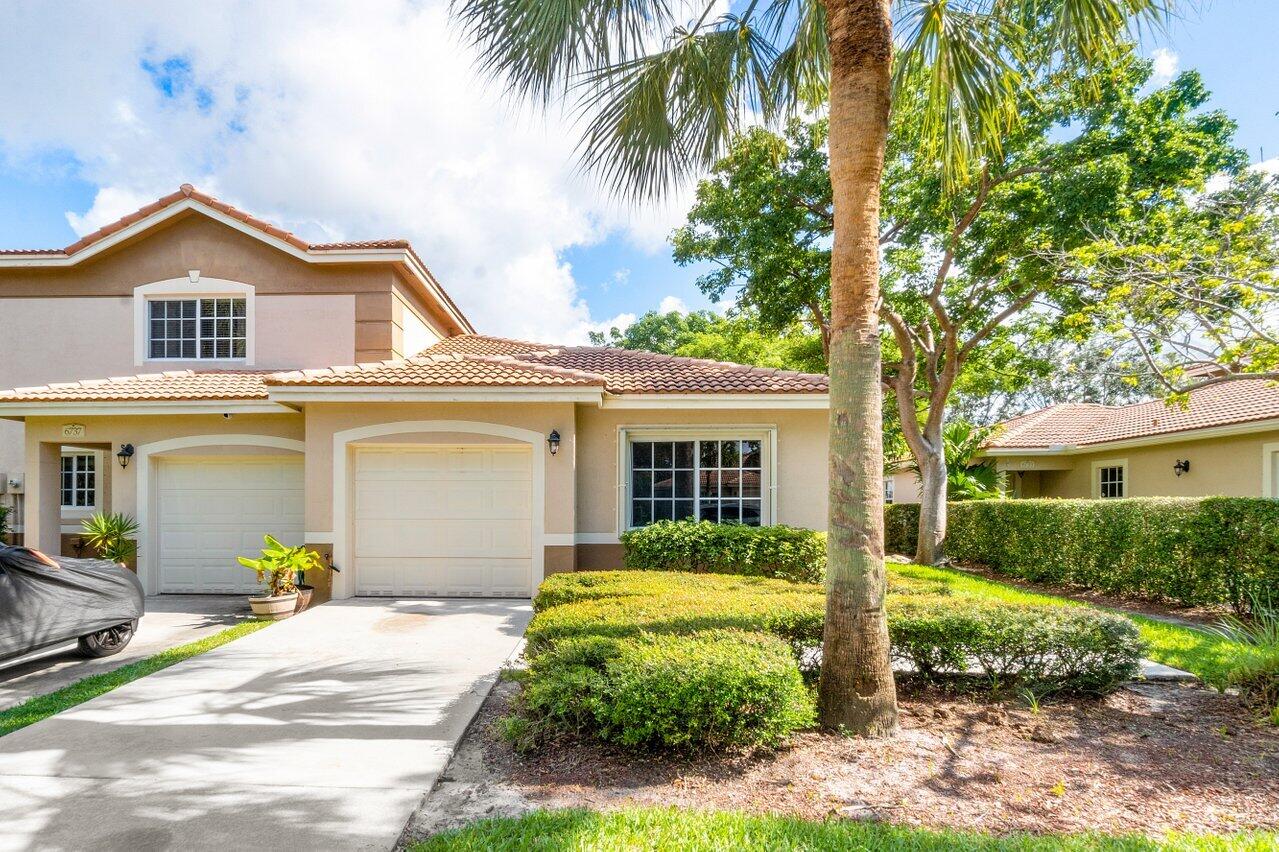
(498, 213)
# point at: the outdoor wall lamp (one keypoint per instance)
(553, 441)
(1181, 467)
(126, 453)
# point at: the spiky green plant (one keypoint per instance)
(111, 536)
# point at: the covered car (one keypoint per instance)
(46, 600)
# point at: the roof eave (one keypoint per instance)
(19, 410)
(1195, 434)
(761, 400)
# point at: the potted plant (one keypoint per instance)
(111, 536)
(279, 569)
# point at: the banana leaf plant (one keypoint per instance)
(281, 567)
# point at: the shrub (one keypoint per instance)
(1216, 550)
(787, 553)
(709, 690)
(1258, 681)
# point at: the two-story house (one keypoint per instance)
(177, 366)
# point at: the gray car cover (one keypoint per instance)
(44, 604)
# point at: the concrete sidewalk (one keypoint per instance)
(321, 732)
(169, 621)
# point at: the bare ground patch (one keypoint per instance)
(1150, 758)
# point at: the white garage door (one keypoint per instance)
(215, 509)
(450, 521)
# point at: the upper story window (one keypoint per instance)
(197, 329)
(712, 479)
(79, 481)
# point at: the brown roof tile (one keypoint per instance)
(1079, 424)
(437, 370)
(631, 371)
(176, 385)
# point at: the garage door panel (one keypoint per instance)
(443, 521)
(212, 510)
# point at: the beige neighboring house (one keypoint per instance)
(177, 366)
(1225, 441)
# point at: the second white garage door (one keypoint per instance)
(215, 509)
(449, 521)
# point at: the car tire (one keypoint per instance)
(107, 643)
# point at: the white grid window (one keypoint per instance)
(712, 480)
(197, 329)
(1110, 481)
(79, 481)
(889, 487)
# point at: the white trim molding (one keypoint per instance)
(329, 393)
(1269, 487)
(187, 288)
(1096, 476)
(146, 510)
(344, 583)
(748, 401)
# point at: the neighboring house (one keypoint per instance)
(1224, 441)
(444, 463)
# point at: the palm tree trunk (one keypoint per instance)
(856, 693)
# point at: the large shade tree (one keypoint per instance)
(664, 86)
(982, 289)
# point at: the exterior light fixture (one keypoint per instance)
(553, 441)
(1181, 467)
(126, 453)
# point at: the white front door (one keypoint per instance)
(213, 509)
(443, 520)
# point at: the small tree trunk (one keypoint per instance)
(932, 507)
(856, 693)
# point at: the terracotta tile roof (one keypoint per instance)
(436, 370)
(176, 385)
(630, 371)
(1078, 424)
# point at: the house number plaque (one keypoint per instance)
(73, 430)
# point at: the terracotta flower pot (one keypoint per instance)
(274, 606)
(304, 597)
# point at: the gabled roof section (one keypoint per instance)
(439, 370)
(189, 198)
(172, 386)
(627, 371)
(1227, 403)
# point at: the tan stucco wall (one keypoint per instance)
(801, 459)
(1229, 466)
(905, 487)
(412, 328)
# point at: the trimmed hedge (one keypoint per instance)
(707, 690)
(1073, 649)
(783, 552)
(1213, 550)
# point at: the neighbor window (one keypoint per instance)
(713, 480)
(1110, 481)
(79, 481)
(888, 489)
(197, 329)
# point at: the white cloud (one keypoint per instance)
(337, 120)
(1166, 63)
(672, 304)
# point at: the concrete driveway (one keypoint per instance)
(321, 732)
(170, 620)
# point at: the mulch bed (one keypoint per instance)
(1149, 758)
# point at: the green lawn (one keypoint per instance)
(42, 706)
(668, 828)
(1208, 656)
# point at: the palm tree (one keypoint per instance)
(662, 86)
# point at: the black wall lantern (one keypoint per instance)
(126, 453)
(1181, 467)
(553, 441)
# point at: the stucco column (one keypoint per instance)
(43, 524)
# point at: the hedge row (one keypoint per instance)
(787, 553)
(681, 660)
(1192, 551)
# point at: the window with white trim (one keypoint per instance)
(717, 479)
(1111, 481)
(889, 488)
(197, 329)
(79, 481)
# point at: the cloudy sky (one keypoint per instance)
(344, 120)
